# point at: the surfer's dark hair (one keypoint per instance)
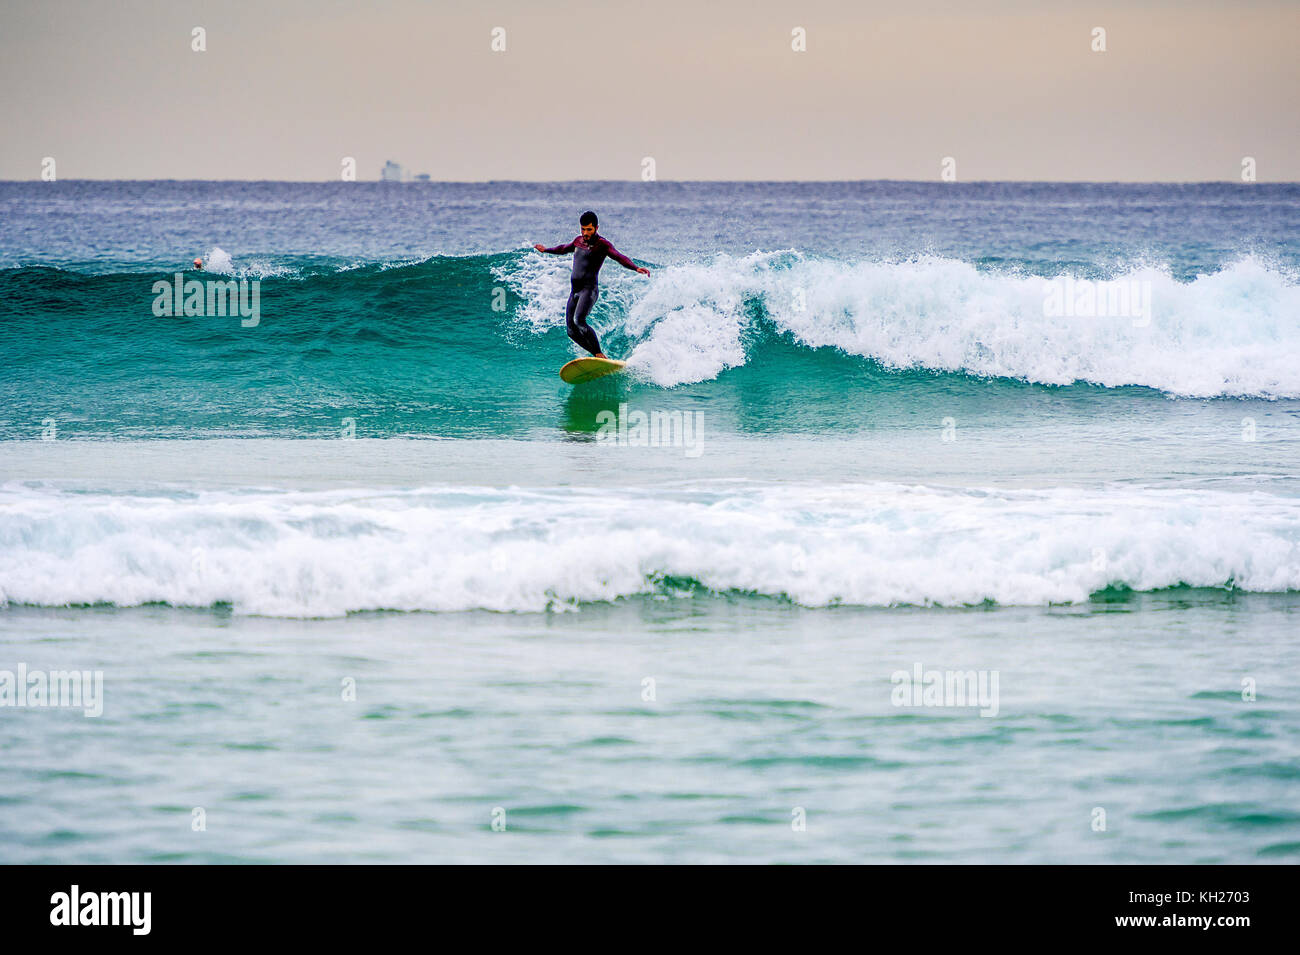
(588, 218)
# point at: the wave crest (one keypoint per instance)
(327, 553)
(1232, 333)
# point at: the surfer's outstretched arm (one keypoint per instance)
(556, 249)
(622, 259)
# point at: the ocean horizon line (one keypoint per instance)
(772, 182)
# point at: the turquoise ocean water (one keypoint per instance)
(366, 582)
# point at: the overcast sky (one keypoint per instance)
(710, 89)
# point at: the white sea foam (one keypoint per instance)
(543, 283)
(325, 553)
(219, 262)
(1235, 332)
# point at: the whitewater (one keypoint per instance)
(326, 553)
(1230, 333)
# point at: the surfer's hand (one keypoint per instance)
(643, 271)
(539, 247)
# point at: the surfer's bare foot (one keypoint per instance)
(601, 354)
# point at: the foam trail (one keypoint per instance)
(325, 553)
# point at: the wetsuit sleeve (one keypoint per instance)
(619, 257)
(561, 249)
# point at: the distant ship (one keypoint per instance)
(393, 173)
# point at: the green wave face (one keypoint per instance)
(433, 348)
(412, 349)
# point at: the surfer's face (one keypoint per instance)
(588, 231)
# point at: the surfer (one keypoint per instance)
(589, 253)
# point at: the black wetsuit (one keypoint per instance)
(588, 257)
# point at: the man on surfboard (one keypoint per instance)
(589, 253)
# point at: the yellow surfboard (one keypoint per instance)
(586, 369)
